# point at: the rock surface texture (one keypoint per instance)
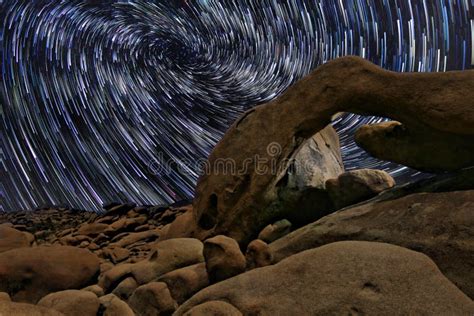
(435, 110)
(440, 225)
(343, 278)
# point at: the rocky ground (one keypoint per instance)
(315, 241)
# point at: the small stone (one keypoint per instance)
(96, 289)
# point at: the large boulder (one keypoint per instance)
(28, 274)
(10, 238)
(23, 309)
(344, 278)
(300, 195)
(358, 185)
(427, 104)
(72, 302)
(441, 225)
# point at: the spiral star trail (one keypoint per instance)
(97, 95)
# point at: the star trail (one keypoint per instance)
(97, 95)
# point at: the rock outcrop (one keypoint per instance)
(435, 110)
(344, 278)
(441, 225)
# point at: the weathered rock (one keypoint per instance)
(4, 297)
(152, 299)
(223, 258)
(125, 288)
(168, 255)
(339, 279)
(300, 194)
(358, 185)
(28, 274)
(214, 308)
(96, 289)
(112, 277)
(10, 238)
(132, 238)
(258, 255)
(114, 306)
(237, 204)
(92, 229)
(117, 254)
(185, 282)
(441, 225)
(72, 302)
(275, 231)
(422, 148)
(183, 226)
(22, 309)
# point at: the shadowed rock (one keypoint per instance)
(440, 225)
(238, 203)
(344, 278)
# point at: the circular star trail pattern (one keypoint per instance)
(115, 100)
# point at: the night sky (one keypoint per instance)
(98, 97)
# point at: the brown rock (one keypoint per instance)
(275, 231)
(422, 148)
(131, 238)
(238, 204)
(340, 279)
(214, 308)
(358, 185)
(152, 299)
(185, 282)
(114, 306)
(22, 309)
(4, 297)
(223, 258)
(441, 225)
(72, 302)
(112, 277)
(117, 254)
(96, 289)
(92, 229)
(258, 255)
(28, 274)
(183, 226)
(10, 238)
(125, 288)
(168, 255)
